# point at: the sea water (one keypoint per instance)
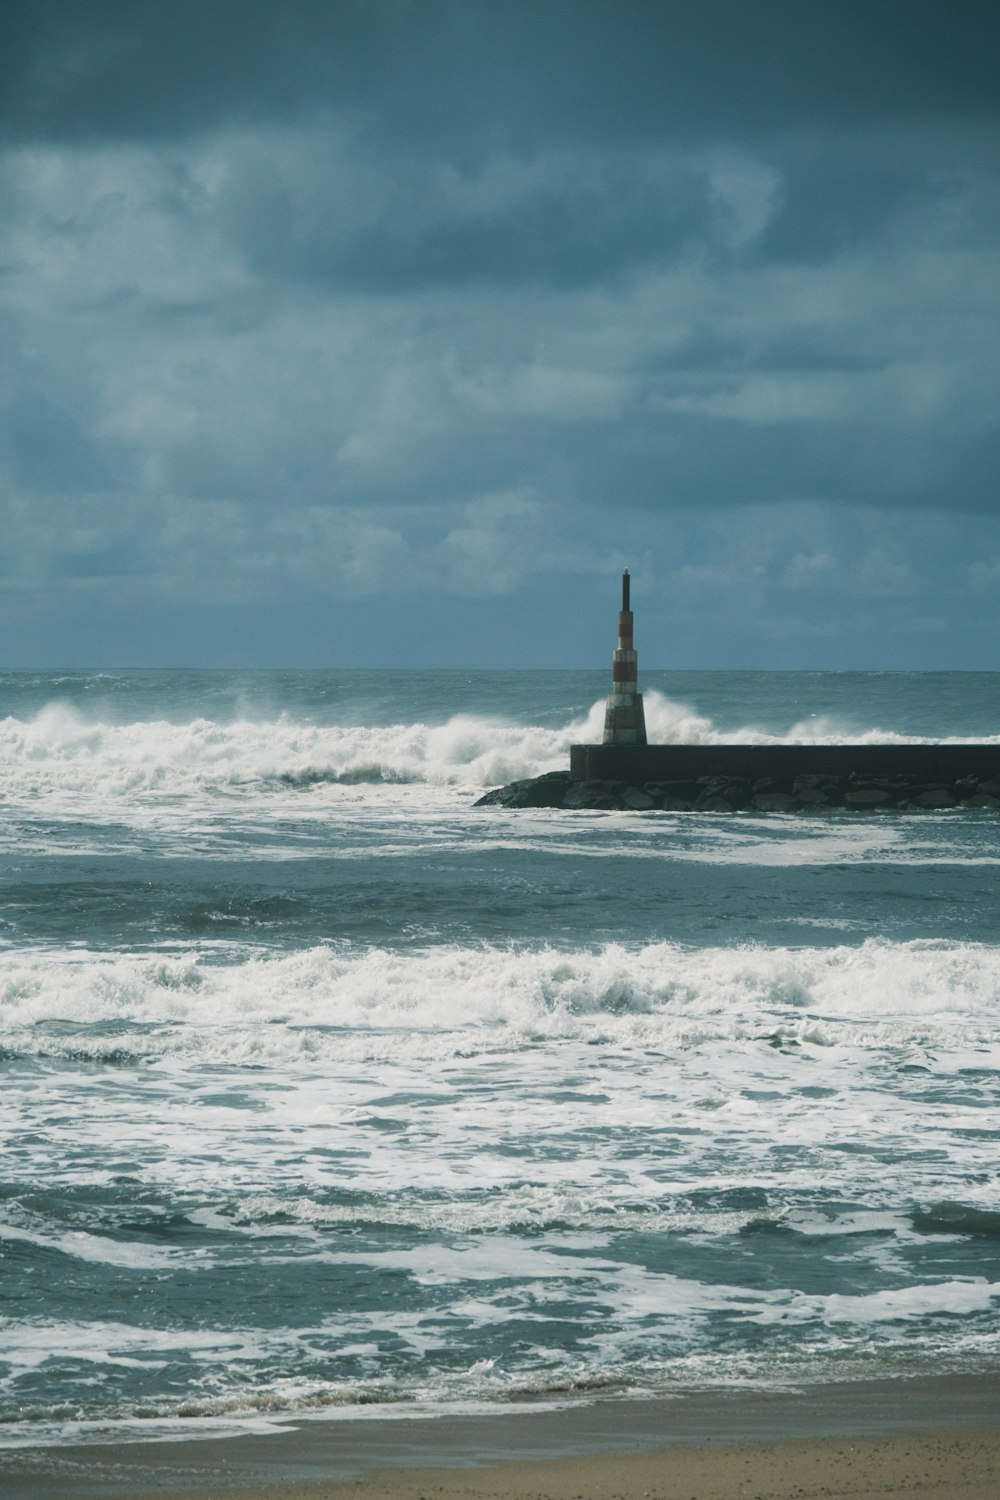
(320, 1086)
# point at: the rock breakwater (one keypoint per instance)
(807, 792)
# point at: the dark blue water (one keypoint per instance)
(320, 1085)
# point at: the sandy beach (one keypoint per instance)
(941, 1465)
(936, 1438)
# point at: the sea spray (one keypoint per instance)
(60, 753)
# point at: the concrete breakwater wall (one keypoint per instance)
(627, 772)
(765, 778)
(638, 764)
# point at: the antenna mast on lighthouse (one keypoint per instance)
(624, 719)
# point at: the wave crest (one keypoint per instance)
(60, 753)
(296, 1009)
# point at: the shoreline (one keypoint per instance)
(938, 1433)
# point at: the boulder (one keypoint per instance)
(817, 791)
(935, 796)
(539, 791)
(673, 793)
(595, 796)
(773, 801)
(869, 796)
(765, 784)
(583, 794)
(731, 789)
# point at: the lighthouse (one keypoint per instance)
(624, 720)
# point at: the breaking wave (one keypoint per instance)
(319, 1004)
(61, 753)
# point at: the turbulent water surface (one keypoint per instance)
(321, 1087)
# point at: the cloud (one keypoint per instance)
(428, 297)
(984, 577)
(166, 346)
(804, 570)
(128, 69)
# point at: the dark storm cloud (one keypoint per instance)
(44, 446)
(375, 226)
(136, 69)
(431, 297)
(829, 209)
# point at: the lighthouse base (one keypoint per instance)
(625, 720)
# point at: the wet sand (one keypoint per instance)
(935, 1466)
(937, 1439)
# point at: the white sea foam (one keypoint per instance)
(31, 1342)
(419, 1154)
(704, 1058)
(60, 752)
(894, 1304)
(650, 1343)
(94, 1248)
(322, 1002)
(593, 1209)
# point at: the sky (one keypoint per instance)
(387, 332)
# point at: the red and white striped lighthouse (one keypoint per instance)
(624, 719)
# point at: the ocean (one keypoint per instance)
(321, 1088)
